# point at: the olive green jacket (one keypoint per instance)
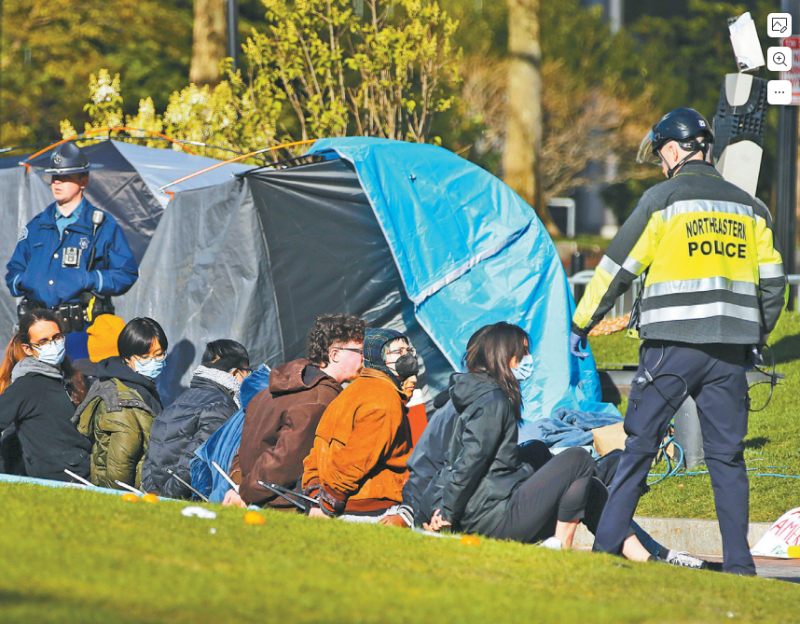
(118, 422)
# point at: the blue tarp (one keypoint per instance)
(224, 442)
(471, 252)
(569, 427)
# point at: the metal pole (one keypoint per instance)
(786, 172)
(232, 10)
(615, 11)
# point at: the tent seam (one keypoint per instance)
(468, 265)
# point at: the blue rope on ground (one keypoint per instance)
(673, 472)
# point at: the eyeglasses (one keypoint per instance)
(155, 358)
(403, 351)
(46, 341)
(353, 349)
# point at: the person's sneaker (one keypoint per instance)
(553, 543)
(684, 559)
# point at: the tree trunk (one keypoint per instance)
(208, 48)
(521, 165)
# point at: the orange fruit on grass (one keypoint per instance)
(470, 540)
(253, 517)
(150, 498)
(130, 497)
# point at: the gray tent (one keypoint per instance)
(259, 258)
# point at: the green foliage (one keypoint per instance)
(79, 556)
(316, 70)
(687, 56)
(50, 47)
(773, 438)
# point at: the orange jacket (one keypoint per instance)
(361, 447)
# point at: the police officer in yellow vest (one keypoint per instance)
(713, 291)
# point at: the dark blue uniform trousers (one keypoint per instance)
(714, 375)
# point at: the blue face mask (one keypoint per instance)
(524, 369)
(150, 368)
(52, 353)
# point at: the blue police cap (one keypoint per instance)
(68, 158)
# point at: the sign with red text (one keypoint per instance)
(780, 536)
(793, 74)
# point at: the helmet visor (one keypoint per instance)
(646, 153)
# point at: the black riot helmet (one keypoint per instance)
(68, 158)
(685, 126)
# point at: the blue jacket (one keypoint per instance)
(224, 442)
(35, 270)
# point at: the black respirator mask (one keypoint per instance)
(406, 366)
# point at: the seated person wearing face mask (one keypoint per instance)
(35, 402)
(212, 398)
(358, 463)
(119, 410)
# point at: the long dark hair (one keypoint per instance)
(76, 382)
(490, 351)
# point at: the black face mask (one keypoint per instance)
(406, 366)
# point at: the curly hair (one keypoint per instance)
(329, 330)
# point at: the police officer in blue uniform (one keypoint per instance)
(71, 258)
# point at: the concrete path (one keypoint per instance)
(768, 567)
(702, 538)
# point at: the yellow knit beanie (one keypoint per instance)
(103, 336)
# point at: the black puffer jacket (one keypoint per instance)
(483, 466)
(38, 405)
(179, 430)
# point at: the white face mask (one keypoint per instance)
(52, 353)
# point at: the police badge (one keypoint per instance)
(56, 158)
(84, 243)
(23, 233)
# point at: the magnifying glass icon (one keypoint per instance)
(779, 58)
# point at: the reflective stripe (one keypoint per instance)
(609, 266)
(768, 271)
(633, 266)
(701, 311)
(705, 205)
(706, 284)
(14, 290)
(99, 281)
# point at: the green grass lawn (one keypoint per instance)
(773, 437)
(78, 557)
